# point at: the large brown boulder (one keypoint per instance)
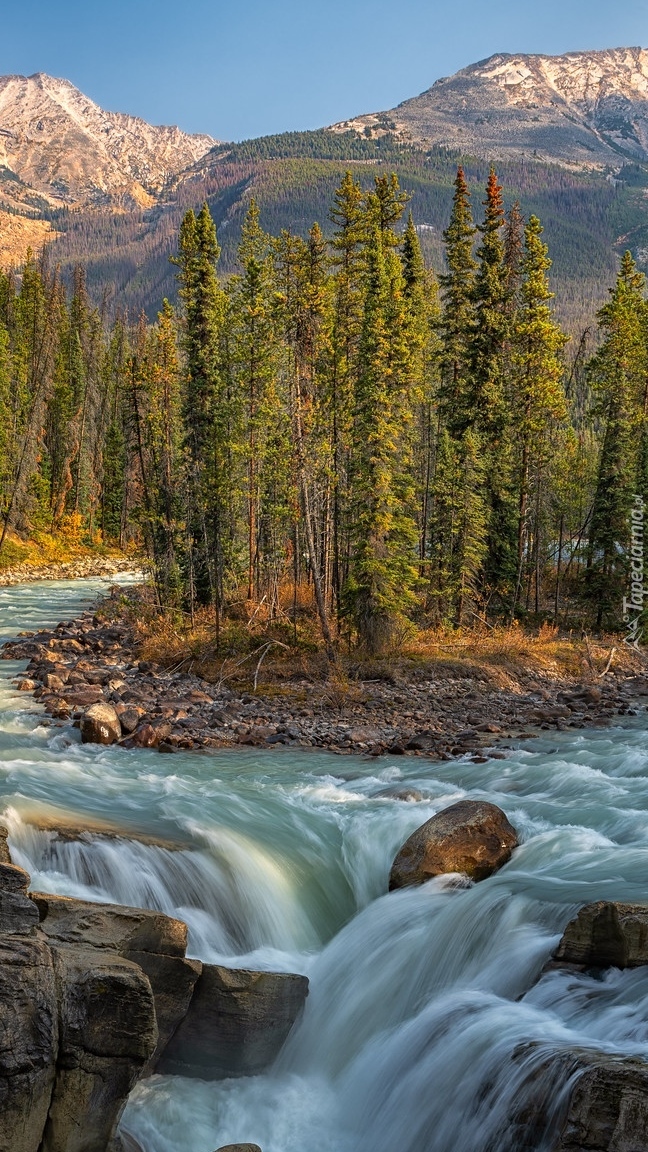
(107, 1033)
(100, 725)
(237, 1023)
(239, 1148)
(153, 941)
(575, 1100)
(606, 935)
(608, 1109)
(28, 1041)
(173, 979)
(72, 921)
(472, 837)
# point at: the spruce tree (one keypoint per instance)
(618, 373)
(349, 217)
(457, 316)
(539, 398)
(255, 360)
(490, 406)
(203, 300)
(383, 572)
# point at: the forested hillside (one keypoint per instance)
(334, 420)
(588, 219)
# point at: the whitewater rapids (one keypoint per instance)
(426, 1022)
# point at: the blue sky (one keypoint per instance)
(237, 70)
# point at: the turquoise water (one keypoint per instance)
(424, 1019)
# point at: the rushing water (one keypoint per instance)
(426, 1022)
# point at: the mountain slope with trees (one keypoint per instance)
(331, 425)
(126, 186)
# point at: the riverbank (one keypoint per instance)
(440, 709)
(61, 555)
(80, 568)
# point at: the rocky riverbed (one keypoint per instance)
(81, 568)
(87, 662)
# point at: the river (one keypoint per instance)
(425, 1022)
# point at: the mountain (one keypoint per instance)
(68, 149)
(109, 191)
(583, 109)
(58, 149)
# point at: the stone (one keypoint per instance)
(173, 979)
(107, 1032)
(5, 855)
(27, 685)
(72, 921)
(239, 1148)
(608, 1109)
(53, 682)
(100, 725)
(473, 837)
(17, 912)
(28, 1041)
(237, 1022)
(129, 718)
(83, 696)
(606, 934)
(407, 795)
(146, 736)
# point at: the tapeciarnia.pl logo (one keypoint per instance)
(634, 603)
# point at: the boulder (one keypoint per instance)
(606, 934)
(28, 1041)
(17, 912)
(239, 1148)
(70, 921)
(107, 1033)
(83, 697)
(473, 837)
(129, 718)
(100, 725)
(237, 1022)
(608, 1109)
(173, 979)
(146, 736)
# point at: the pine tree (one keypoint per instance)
(457, 316)
(422, 298)
(204, 305)
(490, 406)
(349, 217)
(383, 573)
(163, 445)
(255, 358)
(488, 410)
(539, 398)
(618, 372)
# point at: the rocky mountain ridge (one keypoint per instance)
(569, 136)
(72, 152)
(582, 109)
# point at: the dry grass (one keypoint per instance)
(508, 653)
(276, 649)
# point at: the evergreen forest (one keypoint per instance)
(333, 420)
